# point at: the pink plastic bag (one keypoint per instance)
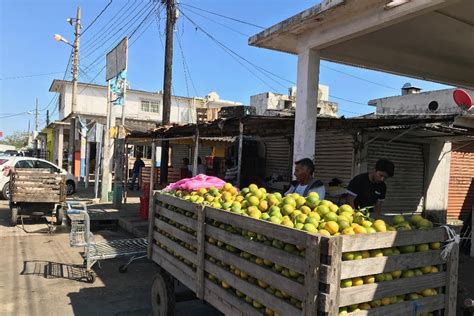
(195, 183)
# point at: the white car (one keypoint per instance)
(30, 162)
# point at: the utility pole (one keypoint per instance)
(170, 21)
(47, 117)
(35, 133)
(75, 71)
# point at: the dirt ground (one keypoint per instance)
(40, 274)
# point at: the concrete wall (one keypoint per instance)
(417, 103)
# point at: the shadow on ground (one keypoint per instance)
(54, 270)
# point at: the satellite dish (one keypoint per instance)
(463, 99)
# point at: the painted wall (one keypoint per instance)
(418, 103)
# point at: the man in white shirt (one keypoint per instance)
(305, 183)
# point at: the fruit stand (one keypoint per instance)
(244, 263)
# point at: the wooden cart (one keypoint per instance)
(36, 193)
(244, 266)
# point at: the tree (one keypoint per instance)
(17, 139)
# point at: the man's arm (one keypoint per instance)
(350, 199)
(378, 208)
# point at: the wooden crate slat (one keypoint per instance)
(254, 291)
(313, 256)
(183, 220)
(177, 202)
(369, 292)
(176, 268)
(271, 230)
(391, 239)
(201, 251)
(452, 281)
(334, 276)
(275, 280)
(176, 232)
(273, 254)
(423, 305)
(185, 253)
(226, 302)
(376, 265)
(32, 184)
(36, 199)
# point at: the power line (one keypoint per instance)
(30, 76)
(223, 16)
(99, 34)
(95, 19)
(186, 68)
(360, 78)
(347, 100)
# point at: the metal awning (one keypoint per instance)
(425, 39)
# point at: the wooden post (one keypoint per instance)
(452, 281)
(313, 256)
(335, 253)
(239, 157)
(196, 153)
(151, 202)
(88, 163)
(125, 177)
(201, 244)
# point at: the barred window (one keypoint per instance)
(150, 106)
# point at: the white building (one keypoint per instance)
(143, 111)
(269, 101)
(413, 101)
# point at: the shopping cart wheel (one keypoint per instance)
(123, 268)
(91, 276)
(162, 294)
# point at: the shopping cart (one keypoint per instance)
(81, 236)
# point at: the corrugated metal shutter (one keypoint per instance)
(203, 152)
(178, 152)
(278, 158)
(461, 184)
(405, 191)
(334, 156)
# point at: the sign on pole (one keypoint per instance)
(116, 59)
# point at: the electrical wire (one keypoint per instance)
(186, 70)
(223, 16)
(31, 76)
(95, 19)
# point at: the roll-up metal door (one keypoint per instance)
(461, 184)
(405, 191)
(278, 158)
(334, 156)
(178, 152)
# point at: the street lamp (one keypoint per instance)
(59, 38)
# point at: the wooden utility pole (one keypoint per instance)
(170, 21)
(75, 72)
(35, 133)
(47, 117)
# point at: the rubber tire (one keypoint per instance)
(91, 277)
(123, 268)
(162, 294)
(70, 182)
(5, 190)
(59, 216)
(14, 216)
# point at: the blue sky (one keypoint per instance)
(27, 48)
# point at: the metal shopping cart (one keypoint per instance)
(81, 236)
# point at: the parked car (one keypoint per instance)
(30, 162)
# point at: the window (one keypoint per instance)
(150, 106)
(46, 165)
(25, 164)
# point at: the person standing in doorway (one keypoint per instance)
(137, 166)
(369, 189)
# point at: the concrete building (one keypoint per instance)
(143, 110)
(269, 101)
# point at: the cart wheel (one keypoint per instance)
(162, 294)
(14, 216)
(123, 268)
(91, 276)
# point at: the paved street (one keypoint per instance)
(40, 275)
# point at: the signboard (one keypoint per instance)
(117, 88)
(116, 59)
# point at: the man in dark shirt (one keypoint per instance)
(368, 189)
(137, 166)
